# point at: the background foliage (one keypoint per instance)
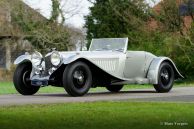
(41, 32)
(131, 18)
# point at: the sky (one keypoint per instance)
(75, 9)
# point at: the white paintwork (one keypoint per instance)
(22, 58)
(109, 61)
(130, 67)
(154, 68)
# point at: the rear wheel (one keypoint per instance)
(165, 78)
(114, 88)
(77, 79)
(22, 81)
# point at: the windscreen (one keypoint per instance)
(109, 44)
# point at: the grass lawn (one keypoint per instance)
(8, 88)
(99, 115)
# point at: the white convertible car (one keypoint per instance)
(106, 64)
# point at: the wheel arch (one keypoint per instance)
(152, 73)
(23, 59)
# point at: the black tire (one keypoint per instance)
(77, 79)
(21, 80)
(165, 78)
(114, 88)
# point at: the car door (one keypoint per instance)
(135, 64)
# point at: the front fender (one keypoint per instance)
(72, 59)
(85, 59)
(155, 66)
(22, 58)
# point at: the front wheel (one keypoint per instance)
(165, 78)
(22, 81)
(114, 88)
(77, 79)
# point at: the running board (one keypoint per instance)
(132, 81)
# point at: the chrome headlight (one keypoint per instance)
(36, 59)
(55, 58)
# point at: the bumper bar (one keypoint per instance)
(40, 81)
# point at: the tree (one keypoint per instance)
(113, 18)
(179, 39)
(170, 16)
(64, 9)
(190, 6)
(55, 13)
(41, 32)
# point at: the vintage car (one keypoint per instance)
(106, 64)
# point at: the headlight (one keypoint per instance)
(55, 58)
(36, 59)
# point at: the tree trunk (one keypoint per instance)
(8, 55)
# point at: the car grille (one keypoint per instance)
(48, 63)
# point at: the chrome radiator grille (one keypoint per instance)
(48, 64)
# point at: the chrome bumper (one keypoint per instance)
(37, 80)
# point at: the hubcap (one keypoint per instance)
(79, 78)
(26, 78)
(165, 76)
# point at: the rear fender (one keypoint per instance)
(153, 71)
